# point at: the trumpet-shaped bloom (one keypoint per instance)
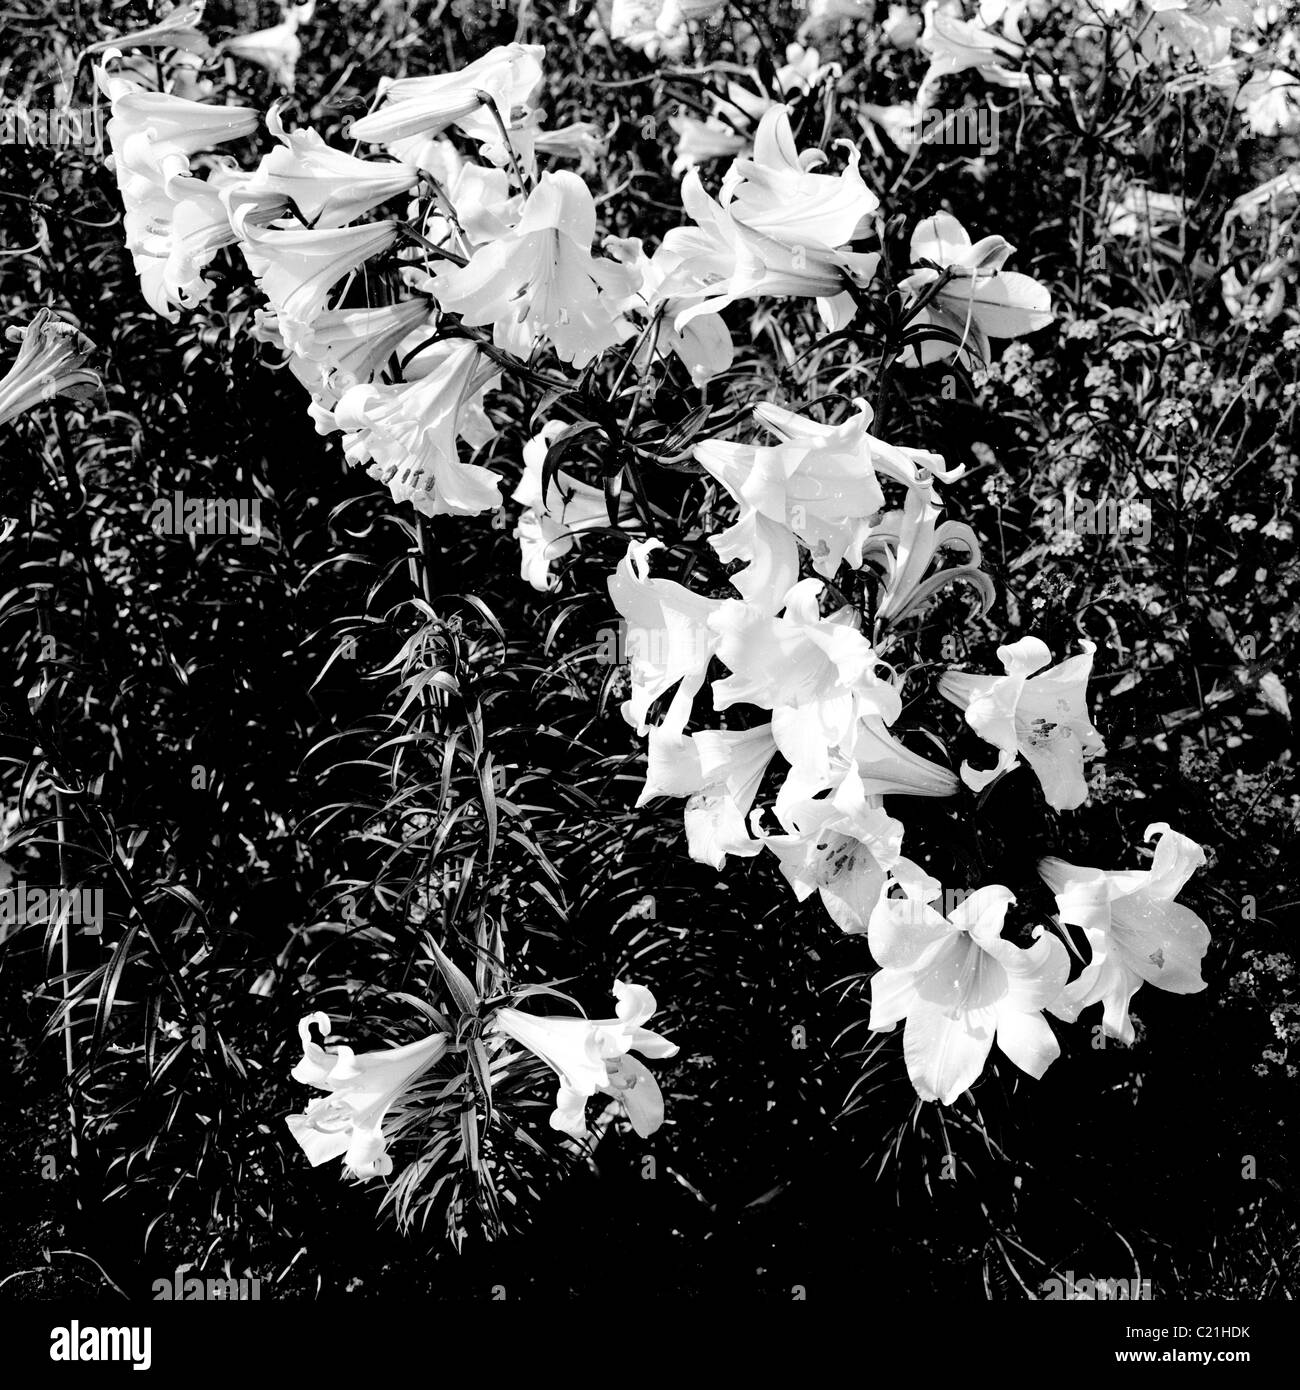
(669, 640)
(595, 1055)
(820, 481)
(1043, 718)
(408, 432)
(719, 770)
(887, 766)
(547, 525)
(960, 986)
(1137, 932)
(50, 362)
(348, 1123)
(328, 187)
(297, 268)
(721, 259)
(278, 48)
(346, 347)
(174, 223)
(167, 125)
(542, 275)
(841, 846)
(981, 300)
(954, 45)
(777, 195)
(508, 76)
(800, 660)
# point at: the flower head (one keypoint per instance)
(595, 1055)
(348, 1122)
(1043, 718)
(50, 362)
(959, 985)
(1137, 932)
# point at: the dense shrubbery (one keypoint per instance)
(334, 768)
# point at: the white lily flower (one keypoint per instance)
(841, 846)
(669, 640)
(546, 528)
(799, 659)
(348, 1123)
(408, 432)
(820, 482)
(719, 770)
(960, 986)
(542, 277)
(698, 141)
(888, 767)
(297, 268)
(278, 48)
(1043, 718)
(346, 347)
(981, 301)
(1137, 932)
(955, 45)
(1141, 212)
(720, 260)
(508, 76)
(703, 344)
(777, 195)
(50, 362)
(328, 187)
(167, 125)
(595, 1055)
(177, 30)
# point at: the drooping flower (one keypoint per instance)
(595, 1055)
(1042, 718)
(719, 770)
(408, 432)
(959, 986)
(50, 362)
(328, 187)
(954, 44)
(175, 223)
(167, 125)
(298, 267)
(507, 76)
(1137, 932)
(546, 527)
(669, 640)
(278, 48)
(343, 348)
(542, 275)
(841, 846)
(348, 1123)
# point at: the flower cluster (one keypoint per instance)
(404, 282)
